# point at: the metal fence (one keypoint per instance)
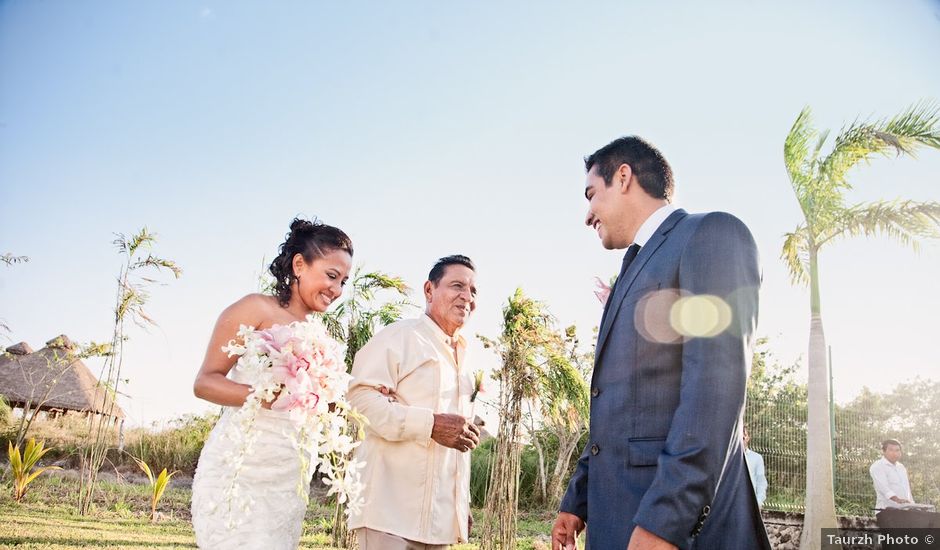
(778, 432)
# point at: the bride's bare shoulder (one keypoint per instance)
(253, 309)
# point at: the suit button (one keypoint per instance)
(595, 392)
(595, 449)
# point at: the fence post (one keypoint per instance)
(832, 420)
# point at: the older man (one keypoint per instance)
(412, 383)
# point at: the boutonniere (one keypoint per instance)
(477, 385)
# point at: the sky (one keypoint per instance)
(426, 129)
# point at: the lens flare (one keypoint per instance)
(700, 316)
(652, 313)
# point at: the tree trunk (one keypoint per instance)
(567, 443)
(820, 502)
(542, 469)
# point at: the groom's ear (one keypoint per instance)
(623, 177)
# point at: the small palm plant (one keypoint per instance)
(157, 485)
(22, 464)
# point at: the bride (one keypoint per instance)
(310, 272)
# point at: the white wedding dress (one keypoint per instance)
(269, 475)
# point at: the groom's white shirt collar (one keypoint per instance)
(652, 223)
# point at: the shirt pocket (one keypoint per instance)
(418, 382)
(465, 385)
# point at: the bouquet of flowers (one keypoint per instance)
(299, 369)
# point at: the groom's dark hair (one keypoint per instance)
(437, 272)
(648, 165)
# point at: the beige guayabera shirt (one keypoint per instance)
(414, 488)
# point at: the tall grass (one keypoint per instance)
(529, 498)
(64, 436)
(6, 415)
(175, 446)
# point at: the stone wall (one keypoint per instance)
(784, 528)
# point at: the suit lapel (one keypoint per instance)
(622, 288)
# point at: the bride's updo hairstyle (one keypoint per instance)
(313, 240)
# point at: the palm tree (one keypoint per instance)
(819, 182)
(353, 322)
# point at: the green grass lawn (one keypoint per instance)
(47, 519)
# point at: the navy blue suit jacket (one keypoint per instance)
(667, 401)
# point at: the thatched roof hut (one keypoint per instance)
(53, 378)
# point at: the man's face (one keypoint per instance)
(452, 299)
(893, 453)
(607, 210)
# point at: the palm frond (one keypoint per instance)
(795, 254)
(390, 312)
(903, 221)
(10, 259)
(566, 385)
(333, 323)
(129, 247)
(120, 242)
(377, 280)
(916, 126)
(796, 150)
(157, 263)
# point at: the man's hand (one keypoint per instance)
(644, 540)
(454, 431)
(565, 531)
(387, 392)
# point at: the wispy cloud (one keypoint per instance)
(207, 13)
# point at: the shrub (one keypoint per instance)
(22, 466)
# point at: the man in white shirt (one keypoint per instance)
(755, 467)
(890, 478)
(412, 384)
(896, 509)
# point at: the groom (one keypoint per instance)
(664, 467)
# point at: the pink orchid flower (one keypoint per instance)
(289, 368)
(277, 337)
(287, 401)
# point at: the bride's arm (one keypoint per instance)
(211, 383)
